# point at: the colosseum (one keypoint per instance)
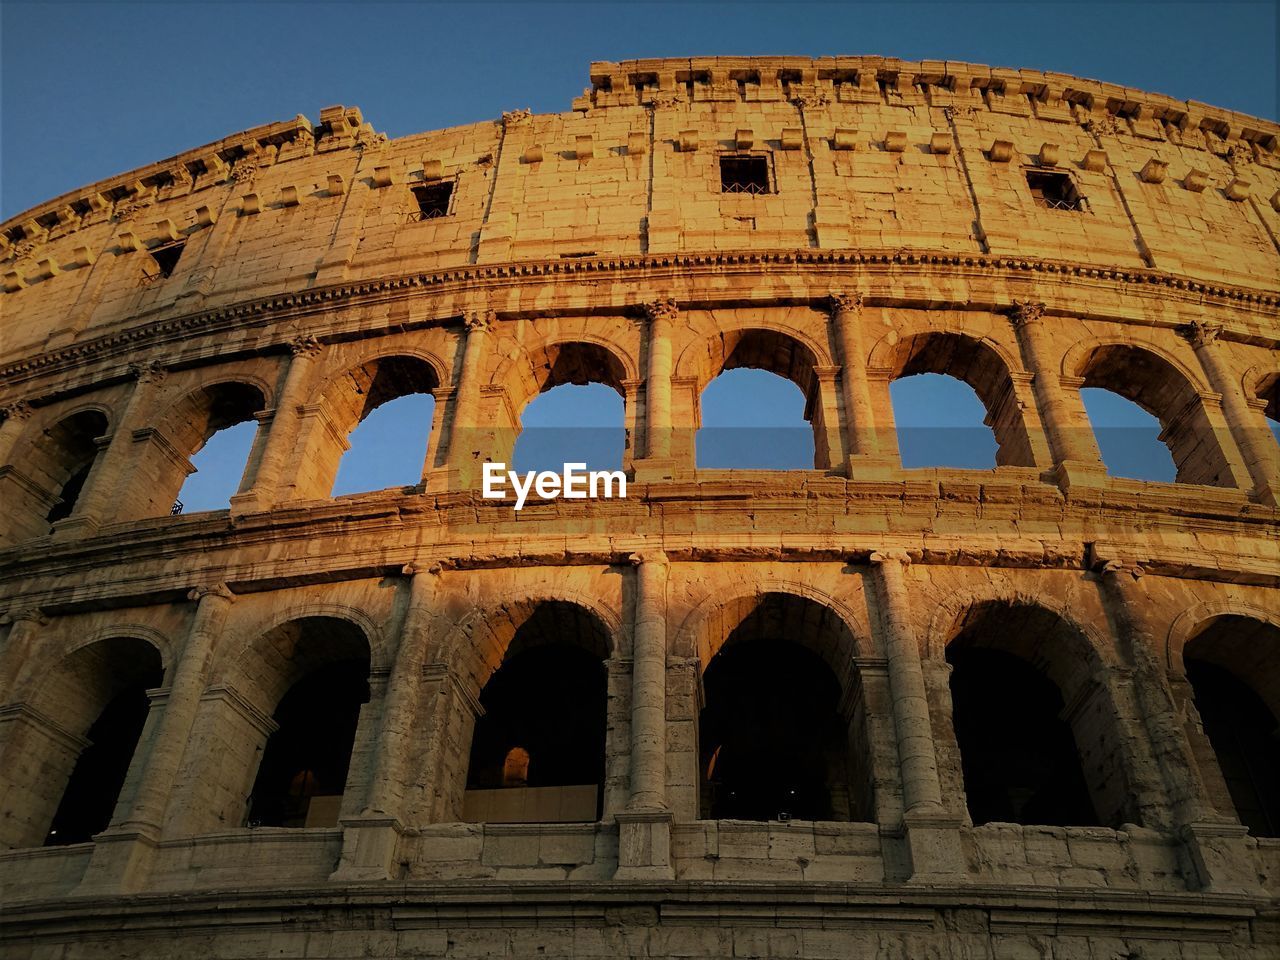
(853, 711)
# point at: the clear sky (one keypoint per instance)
(88, 90)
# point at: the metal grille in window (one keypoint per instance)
(1054, 191)
(433, 202)
(164, 260)
(744, 175)
(176, 509)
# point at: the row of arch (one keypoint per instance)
(53, 464)
(791, 722)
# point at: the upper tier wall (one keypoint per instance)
(862, 153)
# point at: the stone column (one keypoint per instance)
(464, 440)
(1215, 844)
(399, 710)
(24, 626)
(283, 433)
(123, 853)
(861, 441)
(932, 834)
(16, 415)
(661, 314)
(644, 828)
(1071, 443)
(190, 677)
(370, 840)
(101, 493)
(1248, 428)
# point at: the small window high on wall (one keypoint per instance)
(744, 174)
(433, 200)
(1054, 190)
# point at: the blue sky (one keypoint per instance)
(90, 90)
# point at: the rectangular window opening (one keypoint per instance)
(433, 200)
(164, 260)
(1054, 190)
(744, 174)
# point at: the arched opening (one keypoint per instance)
(1037, 733)
(943, 426)
(1155, 385)
(385, 408)
(1269, 394)
(45, 481)
(318, 680)
(538, 751)
(941, 423)
(65, 767)
(206, 418)
(572, 424)
(782, 734)
(1233, 666)
(760, 409)
(577, 412)
(1128, 437)
(219, 466)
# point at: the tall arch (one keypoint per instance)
(1038, 732)
(1229, 657)
(274, 743)
(783, 352)
(49, 471)
(555, 365)
(783, 729)
(69, 747)
(977, 362)
(162, 451)
(1166, 390)
(538, 750)
(349, 397)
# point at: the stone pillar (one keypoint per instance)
(1215, 844)
(443, 402)
(283, 433)
(1071, 442)
(190, 677)
(123, 853)
(101, 493)
(644, 828)
(1247, 426)
(24, 626)
(933, 837)
(465, 445)
(16, 415)
(657, 463)
(861, 442)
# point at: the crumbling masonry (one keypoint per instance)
(853, 711)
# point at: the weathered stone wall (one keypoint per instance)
(899, 236)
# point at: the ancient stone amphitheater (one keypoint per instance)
(852, 711)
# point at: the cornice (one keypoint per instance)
(291, 306)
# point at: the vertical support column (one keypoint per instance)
(657, 463)
(644, 828)
(102, 491)
(283, 432)
(16, 415)
(369, 840)
(465, 446)
(862, 445)
(933, 837)
(1248, 427)
(444, 402)
(122, 855)
(1215, 844)
(24, 625)
(1071, 443)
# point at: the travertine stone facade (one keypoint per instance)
(1029, 233)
